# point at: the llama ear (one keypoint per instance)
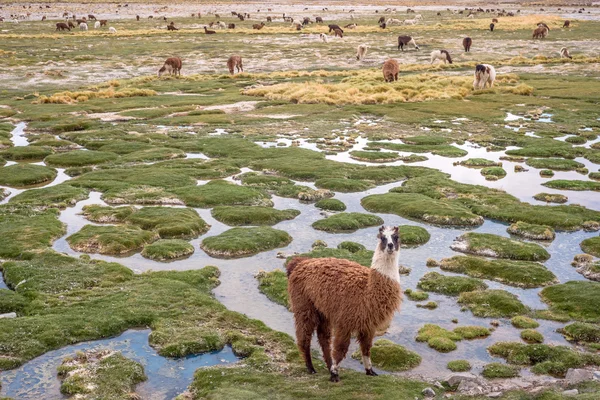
(395, 229)
(381, 229)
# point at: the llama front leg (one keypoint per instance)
(324, 336)
(340, 348)
(366, 342)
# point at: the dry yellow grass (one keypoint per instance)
(84, 95)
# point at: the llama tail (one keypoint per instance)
(293, 263)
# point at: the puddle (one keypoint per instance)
(18, 135)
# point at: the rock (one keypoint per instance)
(597, 375)
(455, 379)
(577, 375)
(438, 385)
(494, 395)
(572, 392)
(8, 315)
(469, 387)
(428, 392)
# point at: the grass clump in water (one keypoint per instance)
(22, 175)
(274, 285)
(546, 173)
(152, 154)
(168, 249)
(449, 285)
(390, 356)
(591, 246)
(330, 205)
(459, 366)
(374, 156)
(169, 222)
(515, 273)
(492, 303)
(221, 193)
(493, 173)
(489, 245)
(343, 185)
(79, 158)
(479, 163)
(112, 240)
(531, 231)
(245, 242)
(577, 299)
(444, 150)
(25, 153)
(581, 332)
(416, 295)
(104, 215)
(252, 215)
(555, 164)
(551, 198)
(352, 247)
(498, 370)
(564, 184)
(347, 222)
(532, 336)
(59, 196)
(522, 322)
(413, 235)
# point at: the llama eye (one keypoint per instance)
(395, 237)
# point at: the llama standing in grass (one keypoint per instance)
(97, 25)
(235, 62)
(361, 51)
(485, 74)
(112, 30)
(390, 70)
(441, 55)
(467, 42)
(172, 66)
(83, 26)
(564, 53)
(330, 294)
(323, 37)
(567, 24)
(405, 41)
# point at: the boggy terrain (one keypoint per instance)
(170, 204)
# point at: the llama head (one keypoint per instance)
(389, 240)
(161, 71)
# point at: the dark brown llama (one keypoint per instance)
(235, 62)
(172, 66)
(390, 70)
(467, 42)
(61, 26)
(209, 32)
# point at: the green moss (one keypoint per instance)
(103, 214)
(152, 154)
(577, 299)
(429, 331)
(449, 285)
(221, 193)
(546, 173)
(479, 163)
(59, 196)
(515, 273)
(241, 215)
(576, 140)
(522, 322)
(78, 158)
(416, 295)
(141, 195)
(442, 344)
(264, 181)
(244, 242)
(459, 366)
(430, 305)
(490, 245)
(581, 332)
(26, 153)
(591, 246)
(168, 249)
(121, 179)
(472, 332)
(110, 239)
(122, 147)
(531, 231)
(363, 257)
(498, 370)
(330, 205)
(576, 185)
(11, 301)
(347, 222)
(444, 150)
(274, 285)
(594, 175)
(420, 207)
(343, 185)
(374, 156)
(390, 356)
(413, 235)
(169, 222)
(352, 247)
(493, 173)
(555, 164)
(532, 336)
(22, 175)
(492, 303)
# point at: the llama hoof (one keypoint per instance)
(334, 377)
(311, 370)
(370, 372)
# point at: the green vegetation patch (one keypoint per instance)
(444, 150)
(515, 273)
(343, 185)
(523, 322)
(555, 164)
(352, 247)
(420, 207)
(489, 245)
(591, 246)
(330, 205)
(479, 163)
(499, 370)
(113, 240)
(581, 332)
(221, 193)
(577, 299)
(362, 256)
(493, 173)
(244, 242)
(564, 184)
(531, 231)
(168, 249)
(78, 158)
(492, 303)
(274, 285)
(459, 366)
(413, 235)
(443, 340)
(105, 215)
(449, 285)
(347, 222)
(252, 215)
(390, 356)
(152, 154)
(546, 173)
(22, 175)
(551, 198)
(25, 153)
(532, 336)
(375, 156)
(59, 196)
(416, 295)
(169, 222)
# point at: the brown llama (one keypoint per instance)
(319, 20)
(492, 27)
(390, 70)
(467, 42)
(231, 26)
(172, 66)
(540, 32)
(564, 53)
(567, 24)
(495, 20)
(333, 27)
(171, 27)
(340, 296)
(61, 26)
(137, 17)
(90, 16)
(235, 62)
(338, 33)
(405, 41)
(103, 22)
(209, 32)
(258, 26)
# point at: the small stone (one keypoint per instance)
(577, 375)
(428, 392)
(495, 323)
(572, 392)
(494, 395)
(455, 379)
(8, 315)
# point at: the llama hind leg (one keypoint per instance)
(306, 322)
(366, 342)
(340, 348)
(324, 336)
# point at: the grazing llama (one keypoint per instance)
(410, 22)
(390, 70)
(340, 296)
(83, 26)
(235, 62)
(97, 25)
(61, 26)
(333, 27)
(492, 27)
(172, 66)
(323, 37)
(540, 32)
(467, 42)
(393, 21)
(567, 24)
(564, 53)
(112, 30)
(405, 41)
(485, 74)
(441, 55)
(209, 32)
(103, 22)
(361, 51)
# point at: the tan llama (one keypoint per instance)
(235, 62)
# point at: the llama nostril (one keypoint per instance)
(390, 245)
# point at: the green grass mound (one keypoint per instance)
(168, 249)
(594, 176)
(330, 205)
(244, 242)
(564, 184)
(274, 285)
(152, 154)
(459, 366)
(264, 181)
(221, 193)
(546, 173)
(522, 322)
(479, 163)
(492, 303)
(576, 140)
(551, 198)
(423, 208)
(23, 175)
(374, 156)
(440, 149)
(544, 359)
(100, 374)
(169, 222)
(59, 196)
(430, 305)
(112, 240)
(413, 235)
(514, 273)
(493, 173)
(577, 299)
(581, 332)
(413, 158)
(347, 222)
(591, 246)
(390, 356)
(145, 195)
(442, 344)
(532, 336)
(499, 370)
(555, 164)
(472, 332)
(489, 245)
(343, 185)
(78, 158)
(25, 153)
(352, 247)
(363, 256)
(416, 295)
(531, 231)
(449, 285)
(443, 340)
(252, 215)
(122, 147)
(106, 215)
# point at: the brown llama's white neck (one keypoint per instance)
(386, 264)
